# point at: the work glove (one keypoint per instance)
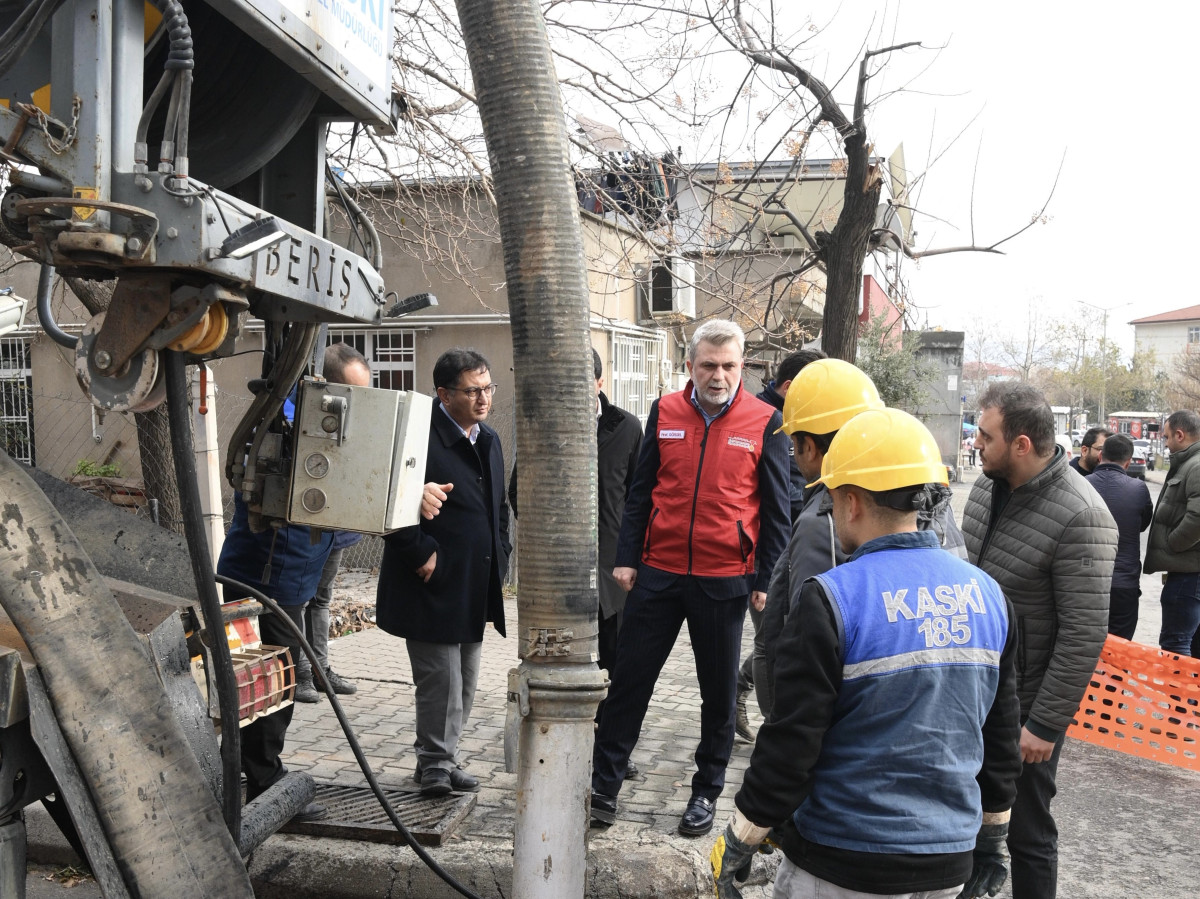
(991, 862)
(730, 859)
(770, 843)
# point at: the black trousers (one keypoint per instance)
(607, 630)
(1032, 833)
(262, 740)
(1123, 610)
(652, 621)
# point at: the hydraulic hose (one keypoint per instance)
(363, 764)
(184, 452)
(45, 316)
(282, 377)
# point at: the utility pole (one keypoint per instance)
(1103, 370)
(1102, 419)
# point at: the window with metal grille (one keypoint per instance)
(633, 381)
(16, 407)
(392, 355)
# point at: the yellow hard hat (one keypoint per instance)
(826, 394)
(883, 449)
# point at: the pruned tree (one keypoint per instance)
(776, 62)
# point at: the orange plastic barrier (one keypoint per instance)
(1143, 702)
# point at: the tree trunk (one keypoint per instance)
(846, 250)
(154, 451)
(524, 127)
(153, 432)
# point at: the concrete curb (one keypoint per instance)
(288, 866)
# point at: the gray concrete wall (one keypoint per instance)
(942, 409)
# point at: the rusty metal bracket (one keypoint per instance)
(139, 305)
(18, 132)
(516, 709)
(54, 216)
(549, 641)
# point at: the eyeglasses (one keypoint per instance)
(473, 393)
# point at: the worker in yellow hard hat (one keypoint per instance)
(822, 398)
(890, 763)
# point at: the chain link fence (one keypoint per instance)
(122, 457)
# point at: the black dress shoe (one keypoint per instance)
(697, 820)
(436, 782)
(604, 809)
(462, 782)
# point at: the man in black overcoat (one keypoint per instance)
(440, 580)
(618, 440)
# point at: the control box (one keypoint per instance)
(359, 461)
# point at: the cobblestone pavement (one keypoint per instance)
(1128, 826)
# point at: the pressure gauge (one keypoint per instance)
(317, 465)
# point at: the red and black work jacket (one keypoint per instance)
(709, 500)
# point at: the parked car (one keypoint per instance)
(1141, 456)
(1151, 453)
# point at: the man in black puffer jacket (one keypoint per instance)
(1173, 546)
(1047, 538)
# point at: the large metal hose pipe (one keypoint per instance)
(161, 820)
(523, 124)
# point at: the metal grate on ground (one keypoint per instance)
(355, 814)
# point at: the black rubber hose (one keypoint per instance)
(363, 764)
(183, 449)
(45, 316)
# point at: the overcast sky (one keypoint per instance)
(1108, 86)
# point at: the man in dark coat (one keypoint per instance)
(1050, 542)
(440, 580)
(1173, 545)
(618, 439)
(1129, 501)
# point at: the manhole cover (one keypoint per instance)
(355, 814)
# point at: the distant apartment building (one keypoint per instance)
(1167, 335)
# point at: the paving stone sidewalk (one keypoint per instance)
(1128, 826)
(382, 712)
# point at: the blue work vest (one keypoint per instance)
(921, 633)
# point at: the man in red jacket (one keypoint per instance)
(706, 518)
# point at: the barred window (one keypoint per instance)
(634, 379)
(16, 390)
(391, 353)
